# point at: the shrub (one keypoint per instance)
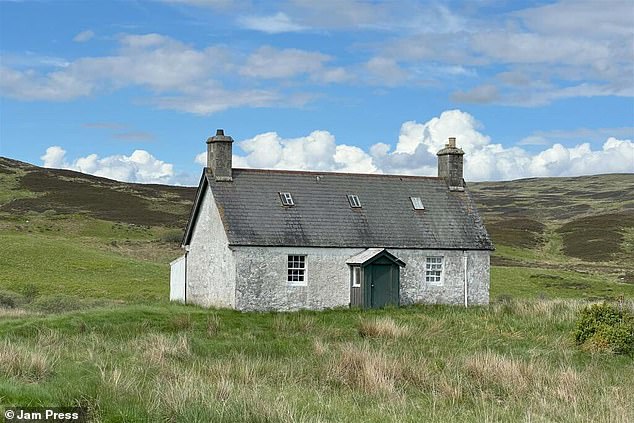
(604, 327)
(10, 299)
(30, 291)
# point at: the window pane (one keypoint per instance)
(296, 269)
(433, 270)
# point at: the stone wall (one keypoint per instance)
(414, 289)
(210, 263)
(261, 278)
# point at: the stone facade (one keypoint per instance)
(451, 291)
(210, 263)
(255, 278)
(261, 282)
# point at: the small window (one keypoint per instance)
(354, 201)
(356, 276)
(433, 271)
(296, 270)
(287, 199)
(417, 203)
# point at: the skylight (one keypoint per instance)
(287, 199)
(417, 203)
(354, 201)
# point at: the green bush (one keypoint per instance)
(10, 299)
(30, 291)
(604, 327)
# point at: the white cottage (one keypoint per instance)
(285, 240)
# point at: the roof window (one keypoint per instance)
(287, 199)
(417, 203)
(354, 201)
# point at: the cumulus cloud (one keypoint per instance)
(140, 166)
(415, 150)
(316, 151)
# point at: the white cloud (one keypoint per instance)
(140, 166)
(271, 63)
(54, 157)
(615, 156)
(273, 24)
(316, 151)
(180, 77)
(385, 71)
(416, 148)
(55, 86)
(84, 36)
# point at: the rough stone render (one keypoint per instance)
(240, 234)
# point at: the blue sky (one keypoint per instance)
(130, 90)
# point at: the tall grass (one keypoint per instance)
(508, 362)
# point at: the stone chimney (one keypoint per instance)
(219, 156)
(450, 165)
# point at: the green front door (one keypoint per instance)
(383, 285)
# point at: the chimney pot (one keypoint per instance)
(450, 165)
(220, 132)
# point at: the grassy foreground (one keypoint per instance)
(512, 361)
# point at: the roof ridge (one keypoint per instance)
(320, 173)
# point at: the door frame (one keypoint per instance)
(362, 296)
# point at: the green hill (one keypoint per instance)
(68, 232)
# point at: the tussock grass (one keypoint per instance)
(382, 327)
(158, 348)
(293, 322)
(19, 362)
(505, 375)
(360, 367)
(441, 364)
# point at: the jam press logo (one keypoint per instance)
(45, 414)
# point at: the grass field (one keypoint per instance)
(509, 362)
(84, 317)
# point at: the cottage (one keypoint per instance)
(285, 240)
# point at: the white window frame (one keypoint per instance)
(434, 270)
(287, 199)
(417, 203)
(302, 274)
(354, 201)
(356, 276)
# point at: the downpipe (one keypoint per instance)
(465, 261)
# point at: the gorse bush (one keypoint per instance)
(605, 327)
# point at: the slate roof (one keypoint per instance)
(369, 254)
(252, 212)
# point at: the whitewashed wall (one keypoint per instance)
(261, 278)
(414, 289)
(210, 263)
